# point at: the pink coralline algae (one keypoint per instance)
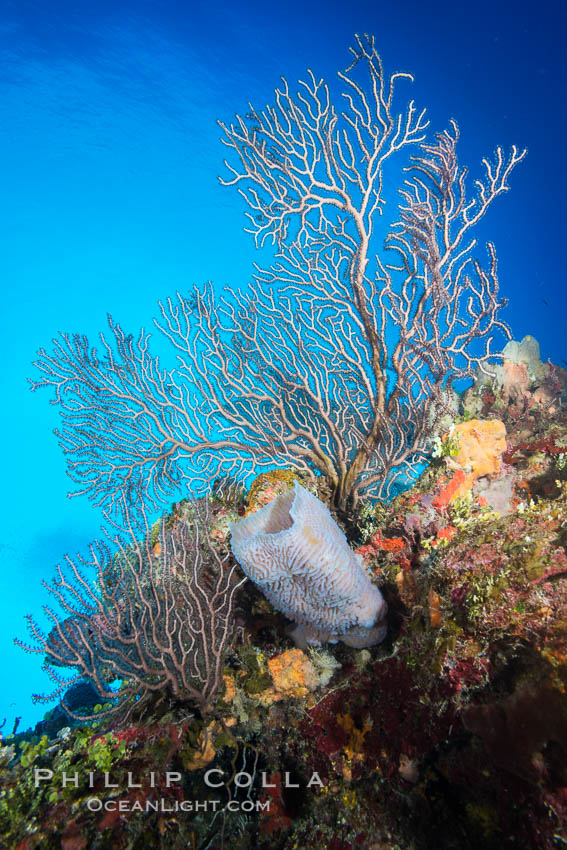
(298, 556)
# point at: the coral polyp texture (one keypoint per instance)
(298, 556)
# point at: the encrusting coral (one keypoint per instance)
(293, 675)
(268, 485)
(298, 556)
(479, 448)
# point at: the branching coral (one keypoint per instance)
(156, 617)
(334, 360)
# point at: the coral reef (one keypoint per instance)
(337, 363)
(293, 675)
(520, 384)
(451, 733)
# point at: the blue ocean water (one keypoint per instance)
(110, 155)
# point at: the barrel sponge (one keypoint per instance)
(298, 556)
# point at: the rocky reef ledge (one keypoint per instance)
(451, 733)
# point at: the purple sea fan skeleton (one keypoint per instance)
(340, 357)
(300, 559)
(158, 618)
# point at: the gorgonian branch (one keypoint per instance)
(339, 358)
(152, 610)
